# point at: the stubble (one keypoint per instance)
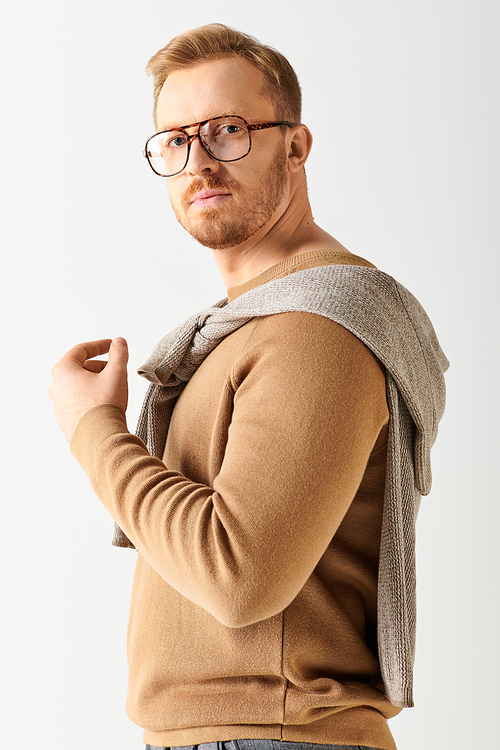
(224, 227)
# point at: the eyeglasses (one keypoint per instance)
(225, 138)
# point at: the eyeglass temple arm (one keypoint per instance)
(265, 125)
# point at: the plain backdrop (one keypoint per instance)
(402, 100)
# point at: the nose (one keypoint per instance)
(200, 162)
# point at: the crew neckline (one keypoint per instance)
(285, 267)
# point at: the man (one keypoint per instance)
(273, 512)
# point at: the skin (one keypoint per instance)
(234, 86)
(261, 201)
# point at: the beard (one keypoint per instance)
(229, 226)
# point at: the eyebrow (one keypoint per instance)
(221, 114)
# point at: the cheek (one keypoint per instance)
(170, 187)
(174, 193)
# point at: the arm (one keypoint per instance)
(308, 404)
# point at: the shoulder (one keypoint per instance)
(303, 335)
(306, 350)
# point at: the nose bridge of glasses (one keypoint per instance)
(198, 131)
(203, 150)
(195, 130)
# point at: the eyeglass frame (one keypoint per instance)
(250, 127)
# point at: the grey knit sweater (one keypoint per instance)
(394, 326)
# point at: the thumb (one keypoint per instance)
(118, 354)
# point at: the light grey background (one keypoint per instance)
(402, 100)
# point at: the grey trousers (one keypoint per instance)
(262, 745)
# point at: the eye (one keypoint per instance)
(173, 141)
(229, 129)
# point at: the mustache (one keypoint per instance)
(211, 182)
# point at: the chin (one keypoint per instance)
(217, 233)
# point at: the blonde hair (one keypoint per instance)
(214, 41)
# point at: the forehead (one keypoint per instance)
(226, 86)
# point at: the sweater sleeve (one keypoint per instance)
(308, 403)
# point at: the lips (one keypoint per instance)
(209, 197)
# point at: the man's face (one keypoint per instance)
(244, 196)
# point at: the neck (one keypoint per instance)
(291, 232)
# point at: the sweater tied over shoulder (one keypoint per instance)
(390, 321)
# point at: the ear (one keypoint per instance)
(299, 146)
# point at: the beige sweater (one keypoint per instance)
(254, 602)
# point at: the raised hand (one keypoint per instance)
(81, 382)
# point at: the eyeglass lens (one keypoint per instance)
(225, 138)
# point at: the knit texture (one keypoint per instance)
(391, 322)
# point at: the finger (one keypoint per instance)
(82, 352)
(118, 354)
(95, 365)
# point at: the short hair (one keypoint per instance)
(215, 41)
